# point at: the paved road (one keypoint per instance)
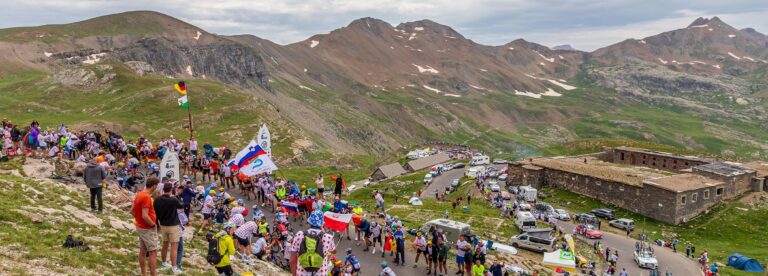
(668, 260)
(675, 263)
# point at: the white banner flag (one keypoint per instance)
(264, 139)
(259, 165)
(170, 163)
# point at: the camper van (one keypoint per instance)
(475, 172)
(480, 160)
(525, 220)
(528, 193)
(452, 229)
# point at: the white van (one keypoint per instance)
(428, 178)
(480, 160)
(528, 193)
(475, 172)
(525, 220)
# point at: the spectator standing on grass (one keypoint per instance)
(320, 184)
(167, 208)
(144, 216)
(183, 220)
(95, 179)
(339, 184)
(674, 243)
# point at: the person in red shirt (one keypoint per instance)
(145, 219)
(213, 168)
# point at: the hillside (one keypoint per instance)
(38, 213)
(370, 87)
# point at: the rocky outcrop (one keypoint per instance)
(139, 67)
(77, 77)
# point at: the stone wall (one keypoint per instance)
(696, 202)
(734, 185)
(646, 200)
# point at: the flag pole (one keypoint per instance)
(189, 115)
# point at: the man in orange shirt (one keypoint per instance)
(144, 216)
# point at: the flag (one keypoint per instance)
(246, 155)
(336, 222)
(261, 164)
(181, 87)
(264, 138)
(183, 102)
(291, 207)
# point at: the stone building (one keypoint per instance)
(388, 171)
(667, 187)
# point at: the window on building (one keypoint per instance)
(654, 164)
(694, 197)
(686, 163)
(674, 167)
(622, 156)
(654, 158)
(706, 194)
(675, 161)
(682, 200)
(664, 165)
(719, 192)
(643, 162)
(644, 156)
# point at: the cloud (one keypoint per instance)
(586, 24)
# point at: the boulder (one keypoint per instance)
(139, 67)
(77, 77)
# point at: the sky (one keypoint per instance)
(584, 24)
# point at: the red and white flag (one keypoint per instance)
(336, 222)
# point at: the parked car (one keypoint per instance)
(562, 215)
(524, 207)
(455, 184)
(512, 189)
(623, 223)
(499, 161)
(503, 177)
(585, 218)
(428, 178)
(495, 187)
(458, 166)
(603, 213)
(589, 231)
(646, 259)
(492, 173)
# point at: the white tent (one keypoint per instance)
(560, 259)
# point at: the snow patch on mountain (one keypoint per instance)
(189, 70)
(477, 87)
(511, 48)
(94, 58)
(731, 35)
(418, 29)
(544, 57)
(551, 93)
(197, 37)
(716, 66)
(481, 69)
(563, 85)
(47, 54)
(749, 58)
(699, 26)
(412, 37)
(314, 43)
(528, 94)
(662, 61)
(452, 95)
(306, 88)
(427, 69)
(432, 89)
(642, 41)
(560, 56)
(734, 56)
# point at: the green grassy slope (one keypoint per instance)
(136, 105)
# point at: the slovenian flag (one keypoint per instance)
(336, 222)
(291, 207)
(183, 102)
(181, 87)
(246, 155)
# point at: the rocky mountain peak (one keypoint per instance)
(429, 26)
(369, 24)
(702, 21)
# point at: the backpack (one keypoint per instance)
(214, 256)
(311, 251)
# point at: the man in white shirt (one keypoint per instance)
(260, 247)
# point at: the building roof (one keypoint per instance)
(599, 169)
(724, 168)
(760, 167)
(683, 182)
(429, 161)
(392, 170)
(531, 167)
(666, 154)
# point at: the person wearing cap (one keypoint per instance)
(316, 223)
(244, 233)
(399, 237)
(238, 208)
(376, 234)
(442, 256)
(209, 203)
(187, 195)
(226, 249)
(386, 270)
(238, 219)
(337, 268)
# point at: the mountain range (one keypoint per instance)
(370, 87)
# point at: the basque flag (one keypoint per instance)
(181, 87)
(291, 207)
(336, 222)
(247, 155)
